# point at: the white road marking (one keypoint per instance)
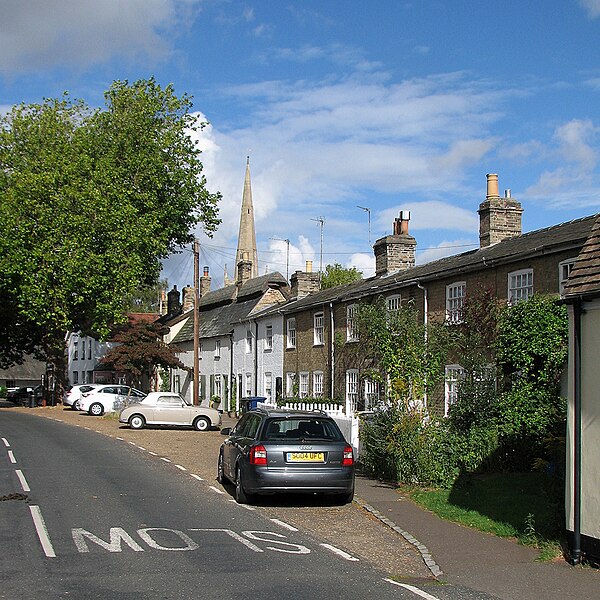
(284, 525)
(413, 589)
(242, 505)
(214, 489)
(153, 453)
(142, 448)
(165, 459)
(120, 439)
(339, 552)
(11, 457)
(6, 442)
(23, 481)
(132, 443)
(40, 527)
(196, 477)
(235, 536)
(181, 468)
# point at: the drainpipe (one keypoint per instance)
(256, 358)
(576, 550)
(425, 322)
(230, 373)
(331, 350)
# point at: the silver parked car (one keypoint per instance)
(169, 408)
(275, 450)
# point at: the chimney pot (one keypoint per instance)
(309, 266)
(492, 185)
(507, 193)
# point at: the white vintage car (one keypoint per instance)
(169, 408)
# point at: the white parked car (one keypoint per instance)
(169, 408)
(108, 398)
(73, 395)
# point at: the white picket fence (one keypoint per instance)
(349, 425)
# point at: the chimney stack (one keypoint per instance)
(188, 298)
(304, 283)
(499, 218)
(173, 303)
(204, 283)
(395, 252)
(244, 269)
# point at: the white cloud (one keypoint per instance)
(592, 7)
(364, 263)
(81, 33)
(432, 214)
(445, 248)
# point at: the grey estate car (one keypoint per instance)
(277, 450)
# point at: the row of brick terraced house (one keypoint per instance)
(262, 337)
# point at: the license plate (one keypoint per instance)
(306, 457)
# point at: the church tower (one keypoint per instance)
(246, 250)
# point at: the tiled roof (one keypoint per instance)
(584, 279)
(571, 234)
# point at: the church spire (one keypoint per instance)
(246, 249)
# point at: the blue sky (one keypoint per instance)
(388, 105)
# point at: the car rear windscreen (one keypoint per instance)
(301, 428)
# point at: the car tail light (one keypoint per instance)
(348, 459)
(258, 455)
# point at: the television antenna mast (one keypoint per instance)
(287, 259)
(368, 211)
(321, 222)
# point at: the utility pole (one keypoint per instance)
(196, 391)
(321, 222)
(368, 211)
(287, 259)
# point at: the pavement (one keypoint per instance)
(452, 553)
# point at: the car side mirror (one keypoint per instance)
(226, 431)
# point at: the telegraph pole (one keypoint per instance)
(196, 391)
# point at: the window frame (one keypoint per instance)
(393, 302)
(351, 325)
(303, 389)
(455, 303)
(562, 280)
(352, 387)
(268, 338)
(528, 290)
(291, 332)
(249, 340)
(318, 384)
(452, 375)
(319, 329)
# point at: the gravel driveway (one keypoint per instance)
(350, 527)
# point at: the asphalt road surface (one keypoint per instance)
(82, 517)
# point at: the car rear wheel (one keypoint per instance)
(96, 409)
(342, 499)
(201, 424)
(137, 422)
(241, 496)
(220, 470)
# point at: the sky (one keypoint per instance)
(350, 111)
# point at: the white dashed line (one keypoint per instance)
(6, 442)
(153, 453)
(132, 443)
(339, 552)
(11, 457)
(40, 527)
(214, 489)
(23, 481)
(120, 439)
(413, 589)
(140, 447)
(284, 525)
(59, 420)
(242, 505)
(181, 468)
(196, 477)
(163, 458)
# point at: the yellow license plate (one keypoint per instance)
(306, 457)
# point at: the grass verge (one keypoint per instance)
(511, 505)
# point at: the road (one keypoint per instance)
(85, 517)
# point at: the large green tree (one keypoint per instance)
(91, 201)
